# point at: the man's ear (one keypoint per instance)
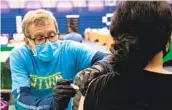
(28, 43)
(26, 40)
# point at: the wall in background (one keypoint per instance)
(87, 19)
(90, 12)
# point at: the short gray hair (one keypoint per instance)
(36, 16)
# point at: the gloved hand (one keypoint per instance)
(87, 75)
(62, 93)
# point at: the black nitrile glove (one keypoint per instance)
(87, 75)
(62, 93)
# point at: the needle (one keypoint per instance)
(75, 86)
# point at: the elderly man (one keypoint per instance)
(39, 66)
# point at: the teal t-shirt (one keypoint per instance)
(29, 71)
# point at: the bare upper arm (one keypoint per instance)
(81, 103)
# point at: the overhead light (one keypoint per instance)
(72, 16)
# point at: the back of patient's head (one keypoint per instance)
(142, 29)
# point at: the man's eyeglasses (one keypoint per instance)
(38, 40)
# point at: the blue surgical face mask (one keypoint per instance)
(46, 52)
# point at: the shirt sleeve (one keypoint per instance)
(83, 55)
(99, 56)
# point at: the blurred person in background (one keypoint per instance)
(44, 63)
(142, 30)
(73, 35)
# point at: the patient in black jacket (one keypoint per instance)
(142, 31)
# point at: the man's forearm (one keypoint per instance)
(25, 101)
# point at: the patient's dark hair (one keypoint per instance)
(142, 29)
